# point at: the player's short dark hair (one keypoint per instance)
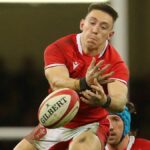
(104, 7)
(131, 107)
(134, 116)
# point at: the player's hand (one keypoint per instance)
(94, 97)
(94, 71)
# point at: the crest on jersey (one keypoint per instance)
(75, 65)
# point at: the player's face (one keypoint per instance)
(116, 129)
(96, 28)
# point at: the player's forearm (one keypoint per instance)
(117, 103)
(24, 145)
(118, 92)
(58, 77)
(65, 83)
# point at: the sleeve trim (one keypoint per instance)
(120, 80)
(53, 65)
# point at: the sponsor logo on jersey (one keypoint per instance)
(75, 65)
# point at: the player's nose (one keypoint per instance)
(95, 29)
(110, 127)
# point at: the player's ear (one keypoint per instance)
(81, 24)
(110, 35)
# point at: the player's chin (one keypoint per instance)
(92, 46)
(111, 140)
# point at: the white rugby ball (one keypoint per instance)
(58, 108)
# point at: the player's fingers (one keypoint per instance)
(83, 99)
(108, 75)
(98, 89)
(107, 81)
(92, 64)
(96, 82)
(103, 69)
(97, 66)
(105, 77)
(86, 94)
(99, 73)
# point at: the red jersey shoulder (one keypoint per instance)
(67, 43)
(64, 51)
(141, 144)
(112, 57)
(63, 45)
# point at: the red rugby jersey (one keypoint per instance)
(141, 144)
(135, 144)
(67, 51)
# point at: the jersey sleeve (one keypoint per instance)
(53, 56)
(118, 66)
(141, 143)
(121, 71)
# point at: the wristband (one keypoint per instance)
(107, 103)
(83, 85)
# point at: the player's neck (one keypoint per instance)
(93, 52)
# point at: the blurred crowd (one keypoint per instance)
(21, 94)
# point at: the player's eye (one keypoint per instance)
(92, 22)
(104, 27)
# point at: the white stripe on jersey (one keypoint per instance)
(120, 80)
(54, 65)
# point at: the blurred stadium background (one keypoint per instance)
(26, 29)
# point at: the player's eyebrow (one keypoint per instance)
(95, 19)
